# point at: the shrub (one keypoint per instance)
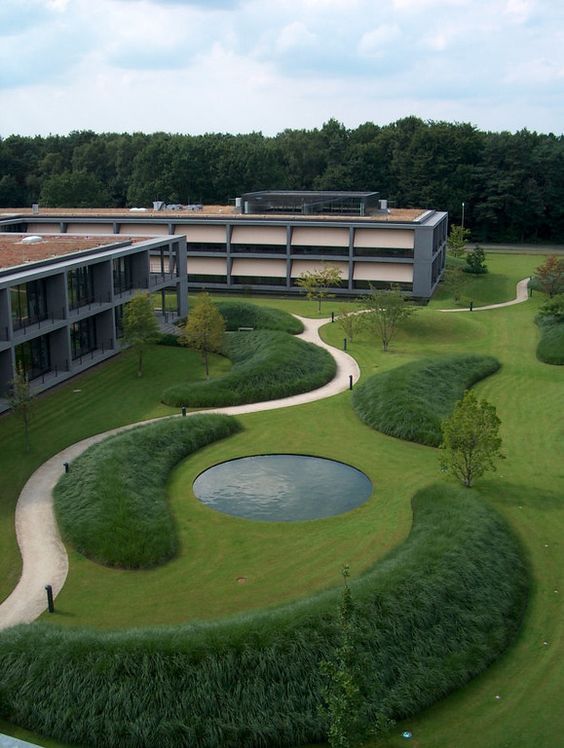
(267, 364)
(431, 615)
(410, 401)
(550, 348)
(112, 507)
(167, 338)
(239, 314)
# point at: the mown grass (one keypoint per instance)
(550, 348)
(112, 505)
(241, 314)
(267, 364)
(410, 401)
(431, 615)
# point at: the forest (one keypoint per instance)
(511, 184)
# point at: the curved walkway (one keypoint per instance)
(44, 558)
(521, 294)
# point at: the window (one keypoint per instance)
(34, 357)
(83, 337)
(123, 275)
(80, 286)
(29, 303)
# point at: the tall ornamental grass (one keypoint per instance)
(550, 348)
(241, 314)
(431, 615)
(267, 364)
(112, 505)
(410, 402)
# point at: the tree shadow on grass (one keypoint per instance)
(504, 492)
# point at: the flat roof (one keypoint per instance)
(15, 253)
(394, 215)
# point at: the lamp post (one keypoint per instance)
(462, 215)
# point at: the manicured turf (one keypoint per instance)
(298, 559)
(410, 401)
(111, 505)
(432, 614)
(267, 364)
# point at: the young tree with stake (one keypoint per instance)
(316, 283)
(140, 327)
(205, 328)
(20, 400)
(385, 311)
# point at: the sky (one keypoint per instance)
(195, 66)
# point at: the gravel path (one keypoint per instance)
(44, 558)
(521, 294)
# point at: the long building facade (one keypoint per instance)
(62, 300)
(239, 249)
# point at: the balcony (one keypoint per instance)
(31, 326)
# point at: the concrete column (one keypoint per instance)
(182, 281)
(288, 259)
(59, 349)
(7, 371)
(351, 255)
(423, 261)
(102, 281)
(56, 293)
(5, 316)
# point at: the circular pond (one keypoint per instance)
(281, 488)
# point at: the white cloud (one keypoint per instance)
(295, 34)
(374, 43)
(519, 10)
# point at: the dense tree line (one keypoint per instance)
(512, 184)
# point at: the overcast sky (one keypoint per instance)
(197, 66)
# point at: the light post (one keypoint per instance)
(462, 215)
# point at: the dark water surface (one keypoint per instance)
(281, 488)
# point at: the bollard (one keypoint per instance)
(471, 305)
(66, 464)
(350, 381)
(344, 344)
(50, 604)
(332, 316)
(183, 410)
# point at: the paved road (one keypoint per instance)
(44, 558)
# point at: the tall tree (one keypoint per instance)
(21, 400)
(140, 327)
(205, 328)
(476, 261)
(317, 283)
(457, 240)
(385, 310)
(471, 443)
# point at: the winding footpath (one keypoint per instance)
(521, 295)
(44, 558)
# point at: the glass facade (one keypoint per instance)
(118, 317)
(123, 274)
(382, 252)
(320, 251)
(29, 303)
(34, 357)
(255, 280)
(83, 337)
(273, 249)
(80, 285)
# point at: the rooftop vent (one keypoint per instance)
(32, 239)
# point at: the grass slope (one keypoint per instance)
(410, 401)
(112, 506)
(267, 364)
(432, 614)
(240, 314)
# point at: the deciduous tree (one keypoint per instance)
(385, 311)
(140, 327)
(471, 443)
(457, 238)
(550, 275)
(476, 261)
(20, 401)
(316, 283)
(205, 328)
(350, 321)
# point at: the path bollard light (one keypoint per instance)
(344, 344)
(50, 604)
(183, 410)
(350, 381)
(66, 464)
(471, 305)
(332, 316)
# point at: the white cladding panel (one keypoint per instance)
(266, 268)
(43, 228)
(202, 234)
(259, 235)
(396, 239)
(320, 237)
(144, 229)
(312, 266)
(207, 266)
(90, 228)
(383, 271)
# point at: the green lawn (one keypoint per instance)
(282, 562)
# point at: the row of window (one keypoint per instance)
(279, 249)
(248, 280)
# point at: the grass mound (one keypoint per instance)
(410, 401)
(112, 507)
(267, 364)
(550, 348)
(431, 615)
(240, 314)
